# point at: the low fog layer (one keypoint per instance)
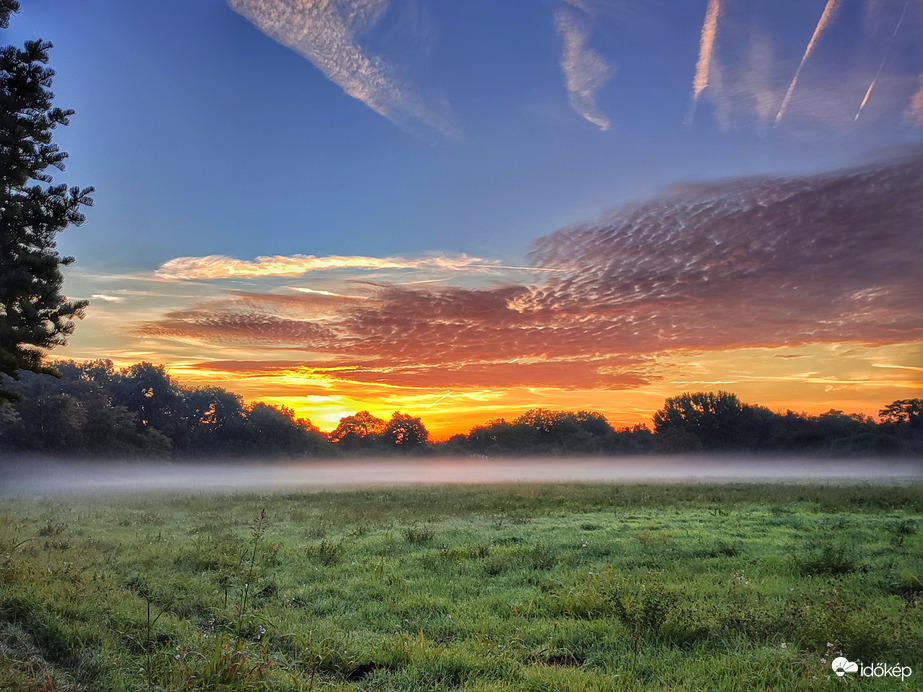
(47, 477)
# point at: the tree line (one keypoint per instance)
(96, 410)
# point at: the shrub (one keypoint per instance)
(828, 558)
(418, 535)
(329, 552)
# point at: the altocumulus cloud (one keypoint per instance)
(761, 262)
(753, 262)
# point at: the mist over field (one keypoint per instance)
(588, 359)
(31, 476)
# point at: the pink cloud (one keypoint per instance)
(751, 262)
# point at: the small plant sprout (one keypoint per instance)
(256, 531)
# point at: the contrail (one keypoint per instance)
(706, 47)
(825, 18)
(439, 399)
(883, 60)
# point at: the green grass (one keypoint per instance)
(558, 587)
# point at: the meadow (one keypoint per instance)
(512, 587)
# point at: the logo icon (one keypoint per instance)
(842, 665)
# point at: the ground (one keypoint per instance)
(525, 587)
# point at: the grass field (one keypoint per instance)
(558, 587)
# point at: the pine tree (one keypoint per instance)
(34, 315)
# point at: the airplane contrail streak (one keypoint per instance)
(438, 400)
(883, 60)
(706, 48)
(867, 94)
(825, 18)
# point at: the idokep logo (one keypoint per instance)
(842, 665)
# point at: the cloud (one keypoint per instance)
(222, 267)
(755, 262)
(585, 71)
(815, 91)
(326, 32)
(580, 375)
(235, 327)
(826, 17)
(884, 59)
(898, 367)
(706, 49)
(914, 113)
(752, 262)
(256, 368)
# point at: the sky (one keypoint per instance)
(463, 210)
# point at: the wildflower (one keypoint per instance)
(782, 645)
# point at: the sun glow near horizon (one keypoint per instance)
(385, 220)
(811, 380)
(806, 301)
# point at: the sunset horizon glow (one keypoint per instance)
(615, 316)
(462, 211)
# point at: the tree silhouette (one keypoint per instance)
(34, 315)
(277, 429)
(405, 431)
(149, 392)
(710, 420)
(140, 411)
(903, 411)
(904, 419)
(360, 429)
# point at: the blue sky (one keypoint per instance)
(409, 129)
(203, 135)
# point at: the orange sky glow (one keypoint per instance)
(793, 293)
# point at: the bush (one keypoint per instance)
(329, 552)
(418, 535)
(828, 558)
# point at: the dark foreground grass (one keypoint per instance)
(603, 587)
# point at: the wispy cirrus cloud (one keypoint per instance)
(223, 267)
(327, 32)
(578, 375)
(585, 70)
